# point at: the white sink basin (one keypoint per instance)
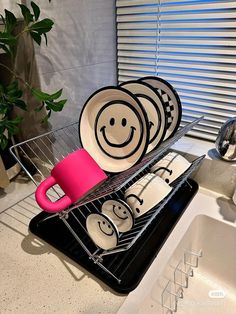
(212, 289)
(209, 285)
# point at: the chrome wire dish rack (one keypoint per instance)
(43, 152)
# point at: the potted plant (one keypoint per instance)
(13, 85)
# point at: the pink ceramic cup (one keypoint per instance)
(77, 174)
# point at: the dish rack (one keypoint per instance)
(66, 230)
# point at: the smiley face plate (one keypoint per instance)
(171, 101)
(102, 231)
(155, 108)
(113, 128)
(120, 213)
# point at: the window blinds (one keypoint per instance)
(191, 44)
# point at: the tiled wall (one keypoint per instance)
(81, 52)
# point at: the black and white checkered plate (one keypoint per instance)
(171, 100)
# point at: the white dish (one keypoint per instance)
(120, 213)
(171, 100)
(146, 193)
(170, 167)
(155, 108)
(102, 231)
(113, 128)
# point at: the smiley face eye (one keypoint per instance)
(124, 212)
(103, 222)
(167, 180)
(109, 226)
(112, 121)
(119, 207)
(124, 122)
(137, 210)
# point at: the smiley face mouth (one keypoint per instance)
(151, 124)
(108, 234)
(125, 143)
(115, 213)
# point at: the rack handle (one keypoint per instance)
(45, 203)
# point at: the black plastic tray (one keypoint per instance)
(131, 265)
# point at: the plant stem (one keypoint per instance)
(16, 75)
(26, 29)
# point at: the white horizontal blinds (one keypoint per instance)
(137, 38)
(191, 44)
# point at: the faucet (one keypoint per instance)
(226, 140)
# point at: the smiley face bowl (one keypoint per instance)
(120, 213)
(170, 167)
(102, 231)
(113, 128)
(147, 192)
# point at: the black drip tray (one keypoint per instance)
(131, 265)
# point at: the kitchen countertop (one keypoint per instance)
(36, 278)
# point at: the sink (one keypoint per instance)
(200, 275)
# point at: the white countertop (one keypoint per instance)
(36, 278)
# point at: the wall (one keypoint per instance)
(81, 52)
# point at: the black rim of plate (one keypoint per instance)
(176, 96)
(126, 206)
(110, 222)
(154, 103)
(145, 117)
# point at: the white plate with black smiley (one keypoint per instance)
(102, 231)
(120, 213)
(171, 101)
(155, 108)
(113, 128)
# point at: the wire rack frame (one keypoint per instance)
(44, 151)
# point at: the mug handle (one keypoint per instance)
(45, 203)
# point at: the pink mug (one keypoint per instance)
(77, 174)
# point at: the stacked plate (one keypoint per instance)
(119, 125)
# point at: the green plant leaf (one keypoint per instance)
(36, 37)
(28, 17)
(3, 141)
(12, 86)
(10, 21)
(21, 104)
(56, 95)
(46, 39)
(3, 109)
(7, 39)
(3, 19)
(36, 10)
(14, 121)
(56, 106)
(41, 96)
(42, 26)
(5, 48)
(13, 92)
